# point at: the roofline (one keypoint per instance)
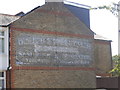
(103, 40)
(4, 25)
(31, 11)
(9, 15)
(77, 4)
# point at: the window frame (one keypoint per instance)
(4, 79)
(3, 37)
(6, 41)
(4, 56)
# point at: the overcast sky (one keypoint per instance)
(102, 21)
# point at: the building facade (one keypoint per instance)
(5, 20)
(52, 46)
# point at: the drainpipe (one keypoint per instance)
(9, 67)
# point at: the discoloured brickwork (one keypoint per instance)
(49, 50)
(55, 21)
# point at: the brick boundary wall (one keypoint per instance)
(111, 83)
(12, 52)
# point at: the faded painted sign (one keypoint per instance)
(46, 50)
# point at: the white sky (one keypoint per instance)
(102, 21)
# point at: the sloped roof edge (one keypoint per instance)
(99, 37)
(8, 15)
(77, 4)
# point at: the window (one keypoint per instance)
(2, 41)
(2, 80)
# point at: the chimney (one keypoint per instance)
(54, 0)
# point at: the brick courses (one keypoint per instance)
(58, 23)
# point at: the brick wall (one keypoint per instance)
(53, 79)
(55, 22)
(103, 57)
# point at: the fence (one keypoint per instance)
(108, 83)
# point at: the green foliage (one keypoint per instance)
(116, 70)
(112, 8)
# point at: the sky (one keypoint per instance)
(102, 22)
